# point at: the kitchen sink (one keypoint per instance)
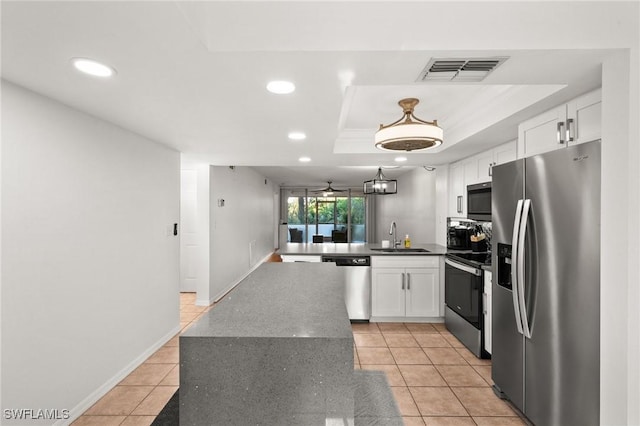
(401, 250)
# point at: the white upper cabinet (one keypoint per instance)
(457, 191)
(475, 169)
(480, 170)
(586, 113)
(575, 122)
(504, 153)
(483, 164)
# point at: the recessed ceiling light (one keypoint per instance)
(400, 159)
(94, 68)
(304, 159)
(281, 87)
(297, 136)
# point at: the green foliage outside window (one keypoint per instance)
(325, 210)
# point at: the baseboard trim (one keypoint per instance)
(86, 403)
(408, 319)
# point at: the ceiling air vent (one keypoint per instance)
(456, 69)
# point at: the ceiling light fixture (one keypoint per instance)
(304, 159)
(91, 67)
(409, 133)
(400, 159)
(281, 87)
(297, 136)
(380, 185)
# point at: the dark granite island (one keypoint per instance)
(278, 350)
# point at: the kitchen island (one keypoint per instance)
(277, 350)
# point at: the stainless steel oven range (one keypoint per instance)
(464, 284)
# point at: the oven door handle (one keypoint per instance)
(465, 268)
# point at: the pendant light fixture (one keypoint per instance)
(409, 133)
(380, 185)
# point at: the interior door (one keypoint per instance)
(189, 248)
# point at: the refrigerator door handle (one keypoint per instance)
(514, 267)
(521, 239)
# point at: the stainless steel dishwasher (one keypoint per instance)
(357, 291)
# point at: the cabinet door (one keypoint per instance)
(422, 292)
(586, 113)
(505, 153)
(484, 163)
(387, 292)
(457, 190)
(542, 133)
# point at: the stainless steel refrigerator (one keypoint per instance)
(546, 285)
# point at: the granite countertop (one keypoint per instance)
(357, 249)
(281, 300)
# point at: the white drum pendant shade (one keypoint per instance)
(409, 133)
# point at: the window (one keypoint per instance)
(339, 218)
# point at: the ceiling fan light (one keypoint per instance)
(380, 185)
(409, 133)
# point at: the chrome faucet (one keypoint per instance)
(392, 231)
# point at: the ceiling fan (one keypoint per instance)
(328, 190)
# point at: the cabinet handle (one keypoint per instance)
(403, 280)
(561, 133)
(490, 172)
(408, 281)
(570, 130)
(459, 203)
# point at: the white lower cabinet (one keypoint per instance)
(486, 299)
(405, 287)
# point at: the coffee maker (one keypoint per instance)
(459, 232)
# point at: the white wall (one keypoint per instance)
(89, 274)
(241, 231)
(619, 321)
(413, 208)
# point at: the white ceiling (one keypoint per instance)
(192, 75)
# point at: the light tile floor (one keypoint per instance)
(139, 398)
(434, 378)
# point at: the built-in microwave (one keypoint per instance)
(479, 201)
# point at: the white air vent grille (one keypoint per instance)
(456, 69)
